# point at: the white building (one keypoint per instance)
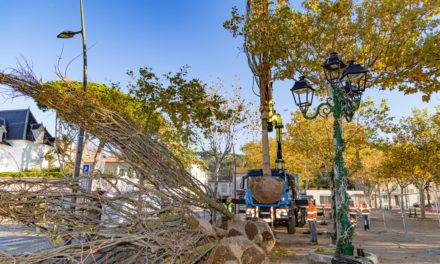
(197, 172)
(115, 166)
(225, 186)
(391, 196)
(23, 142)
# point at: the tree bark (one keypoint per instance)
(422, 201)
(265, 96)
(375, 197)
(265, 143)
(216, 175)
(380, 196)
(427, 195)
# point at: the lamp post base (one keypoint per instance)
(347, 249)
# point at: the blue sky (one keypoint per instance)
(123, 35)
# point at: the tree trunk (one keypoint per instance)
(216, 175)
(375, 197)
(422, 201)
(402, 205)
(380, 196)
(265, 96)
(265, 143)
(390, 207)
(427, 195)
(56, 144)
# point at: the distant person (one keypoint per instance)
(352, 211)
(312, 214)
(228, 204)
(365, 211)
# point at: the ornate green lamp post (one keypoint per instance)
(347, 84)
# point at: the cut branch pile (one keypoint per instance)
(154, 221)
(84, 225)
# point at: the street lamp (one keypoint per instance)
(347, 82)
(302, 94)
(71, 34)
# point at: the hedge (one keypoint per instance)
(29, 174)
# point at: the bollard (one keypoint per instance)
(415, 212)
(410, 214)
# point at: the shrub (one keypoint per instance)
(28, 174)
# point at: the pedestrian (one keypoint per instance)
(365, 211)
(352, 211)
(228, 204)
(312, 214)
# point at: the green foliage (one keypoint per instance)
(30, 174)
(173, 98)
(171, 106)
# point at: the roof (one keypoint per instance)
(19, 125)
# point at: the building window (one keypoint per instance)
(324, 199)
(224, 188)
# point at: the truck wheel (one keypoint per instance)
(291, 225)
(302, 219)
(296, 217)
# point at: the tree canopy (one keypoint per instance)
(171, 106)
(398, 41)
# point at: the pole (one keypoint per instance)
(344, 230)
(383, 211)
(235, 178)
(80, 144)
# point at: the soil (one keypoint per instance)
(388, 241)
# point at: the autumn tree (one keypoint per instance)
(418, 143)
(395, 41)
(218, 140)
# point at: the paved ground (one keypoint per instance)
(18, 239)
(421, 245)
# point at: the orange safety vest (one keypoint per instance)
(352, 210)
(312, 213)
(365, 209)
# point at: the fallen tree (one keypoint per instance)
(153, 221)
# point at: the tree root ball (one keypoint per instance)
(237, 250)
(266, 190)
(256, 231)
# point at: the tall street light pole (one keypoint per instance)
(347, 83)
(71, 34)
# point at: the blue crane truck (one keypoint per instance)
(289, 210)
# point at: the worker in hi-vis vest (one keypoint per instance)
(352, 211)
(365, 211)
(312, 214)
(228, 204)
